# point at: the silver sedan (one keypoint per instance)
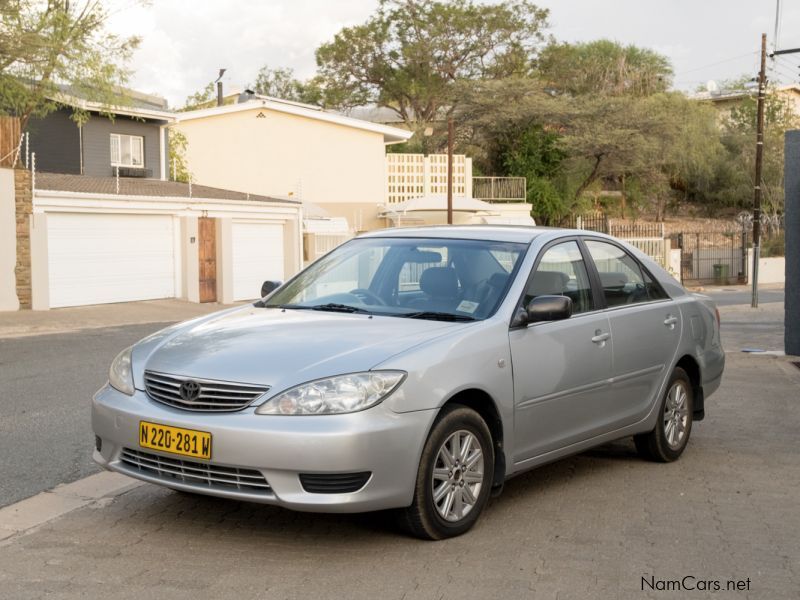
(416, 370)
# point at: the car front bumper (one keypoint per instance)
(386, 444)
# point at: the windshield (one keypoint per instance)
(458, 280)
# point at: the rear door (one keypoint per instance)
(645, 328)
(561, 368)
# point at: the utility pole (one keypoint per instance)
(762, 84)
(450, 171)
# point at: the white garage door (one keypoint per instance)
(96, 259)
(257, 257)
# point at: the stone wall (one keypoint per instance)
(24, 208)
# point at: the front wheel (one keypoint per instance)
(454, 478)
(668, 439)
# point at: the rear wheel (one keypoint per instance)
(668, 439)
(454, 477)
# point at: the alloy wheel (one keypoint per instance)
(458, 475)
(676, 415)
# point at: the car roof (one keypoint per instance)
(496, 233)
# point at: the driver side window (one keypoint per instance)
(562, 272)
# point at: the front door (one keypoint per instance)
(562, 369)
(207, 253)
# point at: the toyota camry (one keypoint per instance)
(416, 370)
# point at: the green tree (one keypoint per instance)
(178, 164)
(603, 68)
(739, 137)
(281, 83)
(56, 48)
(201, 98)
(410, 54)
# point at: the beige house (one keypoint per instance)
(725, 100)
(286, 149)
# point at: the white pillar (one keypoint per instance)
(190, 260)
(468, 177)
(225, 260)
(8, 241)
(40, 268)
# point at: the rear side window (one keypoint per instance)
(620, 275)
(654, 289)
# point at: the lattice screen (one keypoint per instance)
(416, 175)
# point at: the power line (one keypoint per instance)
(787, 64)
(783, 72)
(714, 64)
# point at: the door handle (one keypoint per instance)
(670, 321)
(600, 337)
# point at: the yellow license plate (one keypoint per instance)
(186, 442)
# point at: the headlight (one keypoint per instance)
(119, 375)
(335, 395)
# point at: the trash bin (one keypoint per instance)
(721, 272)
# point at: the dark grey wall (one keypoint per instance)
(791, 188)
(97, 144)
(56, 142)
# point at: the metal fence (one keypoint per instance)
(718, 257)
(499, 189)
(590, 222)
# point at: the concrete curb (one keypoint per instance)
(27, 515)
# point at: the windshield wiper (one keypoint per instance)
(335, 307)
(437, 316)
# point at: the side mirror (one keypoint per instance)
(269, 286)
(548, 308)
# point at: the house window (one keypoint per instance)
(127, 150)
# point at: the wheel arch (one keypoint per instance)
(483, 404)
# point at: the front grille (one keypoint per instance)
(334, 483)
(194, 473)
(217, 396)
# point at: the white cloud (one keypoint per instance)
(184, 43)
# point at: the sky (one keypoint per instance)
(185, 42)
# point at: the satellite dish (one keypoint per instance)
(712, 87)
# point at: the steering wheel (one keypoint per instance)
(364, 295)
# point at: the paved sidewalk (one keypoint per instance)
(60, 320)
(591, 526)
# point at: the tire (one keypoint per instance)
(667, 441)
(432, 519)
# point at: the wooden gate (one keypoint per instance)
(207, 252)
(9, 141)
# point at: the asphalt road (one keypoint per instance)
(46, 382)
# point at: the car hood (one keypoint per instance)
(279, 348)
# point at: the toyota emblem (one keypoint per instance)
(190, 391)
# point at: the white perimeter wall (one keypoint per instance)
(8, 242)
